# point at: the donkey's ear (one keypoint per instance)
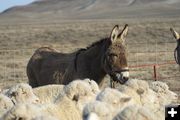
(176, 35)
(124, 32)
(114, 33)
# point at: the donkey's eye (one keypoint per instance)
(112, 55)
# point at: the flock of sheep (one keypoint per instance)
(83, 100)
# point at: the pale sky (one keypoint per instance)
(5, 4)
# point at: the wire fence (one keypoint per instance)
(13, 64)
(153, 61)
(145, 63)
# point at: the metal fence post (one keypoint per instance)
(155, 72)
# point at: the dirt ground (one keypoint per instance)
(149, 43)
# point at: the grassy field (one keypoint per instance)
(149, 42)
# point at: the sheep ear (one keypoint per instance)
(126, 99)
(114, 33)
(124, 33)
(176, 35)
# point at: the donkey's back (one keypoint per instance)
(48, 65)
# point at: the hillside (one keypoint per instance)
(93, 9)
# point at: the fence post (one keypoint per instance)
(155, 72)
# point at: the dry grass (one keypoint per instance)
(149, 42)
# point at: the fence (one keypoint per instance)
(145, 63)
(155, 67)
(13, 65)
(153, 61)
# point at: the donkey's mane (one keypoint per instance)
(96, 43)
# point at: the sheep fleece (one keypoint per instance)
(83, 100)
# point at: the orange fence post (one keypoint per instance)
(155, 69)
(155, 72)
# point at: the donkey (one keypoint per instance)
(106, 56)
(177, 49)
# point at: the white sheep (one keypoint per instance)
(48, 93)
(64, 109)
(58, 104)
(22, 93)
(135, 88)
(81, 92)
(144, 93)
(81, 87)
(70, 101)
(92, 116)
(5, 103)
(83, 98)
(27, 111)
(45, 117)
(115, 98)
(153, 96)
(98, 109)
(63, 102)
(135, 112)
(164, 95)
(22, 112)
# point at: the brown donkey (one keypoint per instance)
(107, 56)
(177, 49)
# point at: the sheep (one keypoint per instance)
(22, 93)
(45, 117)
(135, 88)
(135, 112)
(82, 98)
(71, 99)
(94, 86)
(99, 110)
(92, 116)
(48, 93)
(5, 103)
(108, 103)
(115, 98)
(22, 111)
(165, 96)
(83, 87)
(153, 96)
(62, 100)
(81, 92)
(145, 93)
(64, 108)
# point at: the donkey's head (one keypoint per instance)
(115, 60)
(177, 49)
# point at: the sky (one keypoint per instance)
(5, 4)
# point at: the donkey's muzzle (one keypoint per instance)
(123, 81)
(121, 77)
(125, 78)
